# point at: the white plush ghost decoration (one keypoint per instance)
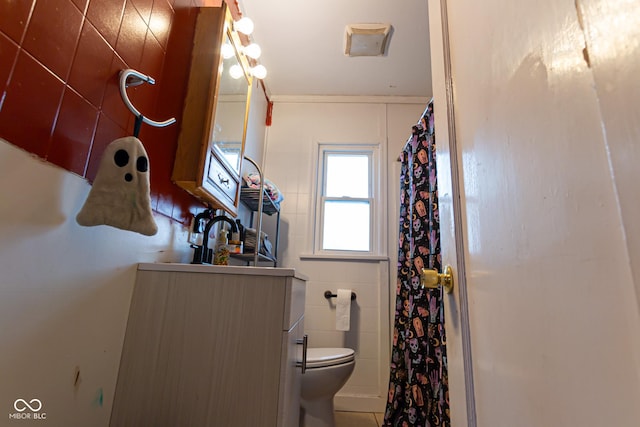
(120, 193)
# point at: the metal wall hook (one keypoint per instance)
(130, 77)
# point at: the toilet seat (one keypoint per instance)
(324, 357)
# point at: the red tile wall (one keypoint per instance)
(59, 96)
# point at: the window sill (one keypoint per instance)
(343, 257)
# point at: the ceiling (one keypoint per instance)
(303, 47)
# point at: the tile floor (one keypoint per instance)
(358, 419)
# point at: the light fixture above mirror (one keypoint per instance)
(244, 25)
(227, 50)
(252, 50)
(248, 48)
(259, 71)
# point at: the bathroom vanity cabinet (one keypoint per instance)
(212, 346)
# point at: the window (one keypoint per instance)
(346, 200)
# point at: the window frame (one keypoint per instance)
(375, 200)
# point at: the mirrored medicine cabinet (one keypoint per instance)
(211, 143)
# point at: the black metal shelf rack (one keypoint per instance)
(250, 197)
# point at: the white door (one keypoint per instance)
(540, 123)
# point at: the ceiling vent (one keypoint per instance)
(366, 39)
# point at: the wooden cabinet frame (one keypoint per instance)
(199, 168)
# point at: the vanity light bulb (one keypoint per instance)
(227, 51)
(252, 51)
(259, 71)
(244, 25)
(236, 71)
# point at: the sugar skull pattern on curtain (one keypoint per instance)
(418, 385)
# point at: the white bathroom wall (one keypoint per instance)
(64, 292)
(298, 126)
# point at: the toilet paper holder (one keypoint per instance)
(328, 294)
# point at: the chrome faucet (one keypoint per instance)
(202, 254)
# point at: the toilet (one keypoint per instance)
(328, 369)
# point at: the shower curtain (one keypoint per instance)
(418, 385)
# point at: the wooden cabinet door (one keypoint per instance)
(214, 118)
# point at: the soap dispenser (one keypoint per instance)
(221, 256)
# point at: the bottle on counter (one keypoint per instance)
(241, 234)
(221, 255)
(235, 244)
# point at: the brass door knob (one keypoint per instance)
(431, 279)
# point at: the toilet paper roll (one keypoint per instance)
(343, 310)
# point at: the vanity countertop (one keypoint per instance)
(223, 269)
